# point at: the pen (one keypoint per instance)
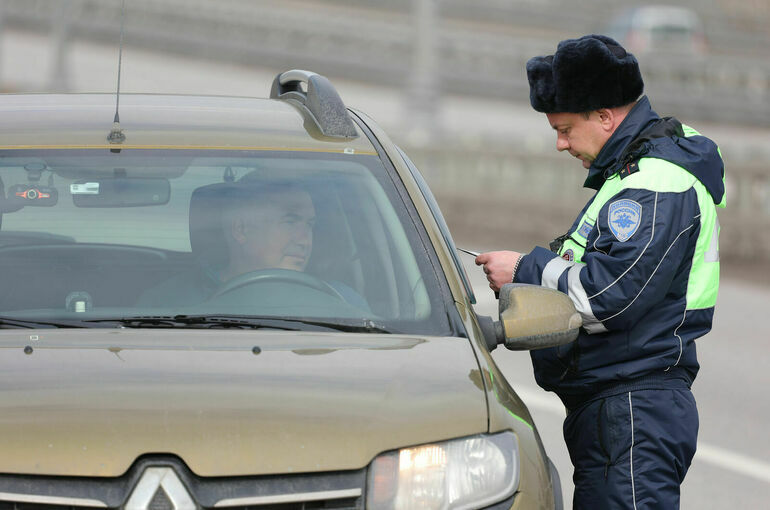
(469, 252)
(476, 254)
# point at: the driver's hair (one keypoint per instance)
(244, 195)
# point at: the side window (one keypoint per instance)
(393, 282)
(433, 205)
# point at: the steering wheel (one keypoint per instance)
(276, 275)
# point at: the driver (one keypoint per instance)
(264, 226)
(268, 228)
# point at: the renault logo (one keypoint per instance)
(159, 488)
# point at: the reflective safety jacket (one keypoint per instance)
(641, 263)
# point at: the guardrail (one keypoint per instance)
(369, 42)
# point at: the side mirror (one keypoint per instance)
(532, 317)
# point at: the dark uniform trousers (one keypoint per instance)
(632, 450)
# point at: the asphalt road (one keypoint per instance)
(731, 468)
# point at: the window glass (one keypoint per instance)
(443, 228)
(90, 234)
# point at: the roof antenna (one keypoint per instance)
(116, 135)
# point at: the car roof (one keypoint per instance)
(150, 121)
(650, 16)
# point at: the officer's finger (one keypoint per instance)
(483, 258)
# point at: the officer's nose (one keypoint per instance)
(561, 143)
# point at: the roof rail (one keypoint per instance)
(321, 102)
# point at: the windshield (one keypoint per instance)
(90, 235)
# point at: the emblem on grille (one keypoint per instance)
(159, 488)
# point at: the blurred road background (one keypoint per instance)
(446, 79)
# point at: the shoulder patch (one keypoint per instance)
(568, 255)
(624, 217)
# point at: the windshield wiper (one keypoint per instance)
(10, 322)
(176, 321)
(349, 325)
(160, 321)
(346, 325)
(248, 322)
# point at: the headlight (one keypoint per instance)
(463, 473)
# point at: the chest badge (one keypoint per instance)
(624, 218)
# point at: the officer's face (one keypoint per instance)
(278, 232)
(582, 137)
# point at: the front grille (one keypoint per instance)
(163, 503)
(10, 505)
(340, 504)
(165, 483)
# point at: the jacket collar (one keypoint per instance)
(640, 116)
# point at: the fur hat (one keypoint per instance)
(584, 74)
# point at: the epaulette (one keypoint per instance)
(629, 169)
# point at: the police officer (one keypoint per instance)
(641, 264)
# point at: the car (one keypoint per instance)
(665, 29)
(143, 368)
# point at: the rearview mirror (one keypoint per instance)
(120, 192)
(532, 317)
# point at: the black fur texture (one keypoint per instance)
(584, 74)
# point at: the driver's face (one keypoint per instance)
(278, 232)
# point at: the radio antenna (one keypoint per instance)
(116, 135)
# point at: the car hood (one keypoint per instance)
(90, 402)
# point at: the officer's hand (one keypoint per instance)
(498, 265)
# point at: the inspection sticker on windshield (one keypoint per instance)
(624, 218)
(86, 188)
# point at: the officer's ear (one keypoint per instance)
(607, 119)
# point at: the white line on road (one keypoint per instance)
(707, 453)
(736, 462)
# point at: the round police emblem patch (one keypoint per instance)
(624, 217)
(568, 255)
